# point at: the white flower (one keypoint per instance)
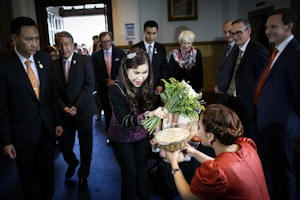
(191, 92)
(74, 62)
(40, 64)
(131, 55)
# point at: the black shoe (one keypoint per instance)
(98, 117)
(71, 170)
(83, 183)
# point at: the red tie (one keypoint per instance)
(264, 76)
(108, 63)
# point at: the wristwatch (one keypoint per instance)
(175, 170)
(147, 114)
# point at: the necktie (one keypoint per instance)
(263, 77)
(227, 51)
(67, 70)
(33, 79)
(150, 53)
(108, 63)
(231, 88)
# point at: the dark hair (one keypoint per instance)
(288, 16)
(95, 37)
(142, 98)
(223, 123)
(101, 35)
(244, 21)
(63, 34)
(150, 24)
(17, 23)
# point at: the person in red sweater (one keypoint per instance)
(236, 171)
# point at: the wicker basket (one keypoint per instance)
(174, 145)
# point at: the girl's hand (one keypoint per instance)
(160, 112)
(172, 157)
(188, 150)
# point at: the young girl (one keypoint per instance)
(132, 100)
(236, 171)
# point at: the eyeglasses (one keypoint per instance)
(104, 42)
(61, 45)
(238, 33)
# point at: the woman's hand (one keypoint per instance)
(160, 112)
(172, 157)
(189, 150)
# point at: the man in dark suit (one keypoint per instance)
(226, 62)
(29, 110)
(250, 58)
(157, 55)
(106, 65)
(76, 82)
(278, 102)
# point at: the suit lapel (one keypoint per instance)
(40, 68)
(19, 68)
(73, 66)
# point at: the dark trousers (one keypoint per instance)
(132, 159)
(281, 155)
(36, 169)
(107, 110)
(66, 141)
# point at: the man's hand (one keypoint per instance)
(9, 150)
(70, 111)
(217, 91)
(158, 90)
(109, 82)
(58, 131)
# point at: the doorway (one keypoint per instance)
(42, 15)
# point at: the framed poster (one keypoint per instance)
(182, 10)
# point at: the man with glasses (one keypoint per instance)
(106, 65)
(225, 62)
(250, 58)
(76, 81)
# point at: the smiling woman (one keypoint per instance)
(132, 100)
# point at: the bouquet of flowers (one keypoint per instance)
(180, 98)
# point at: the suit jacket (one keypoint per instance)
(160, 67)
(101, 70)
(22, 115)
(278, 108)
(253, 61)
(195, 76)
(78, 91)
(224, 69)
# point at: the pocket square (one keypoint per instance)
(117, 59)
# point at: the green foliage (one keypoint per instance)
(179, 98)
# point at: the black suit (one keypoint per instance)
(224, 71)
(278, 115)
(160, 67)
(253, 61)
(78, 93)
(29, 123)
(102, 76)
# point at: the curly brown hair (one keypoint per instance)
(142, 98)
(223, 123)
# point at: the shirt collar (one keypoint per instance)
(232, 43)
(109, 50)
(147, 44)
(243, 48)
(69, 59)
(283, 44)
(22, 58)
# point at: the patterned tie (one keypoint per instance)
(263, 77)
(67, 70)
(150, 53)
(232, 84)
(227, 51)
(108, 63)
(33, 79)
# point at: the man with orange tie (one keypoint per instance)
(29, 110)
(277, 98)
(106, 65)
(76, 82)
